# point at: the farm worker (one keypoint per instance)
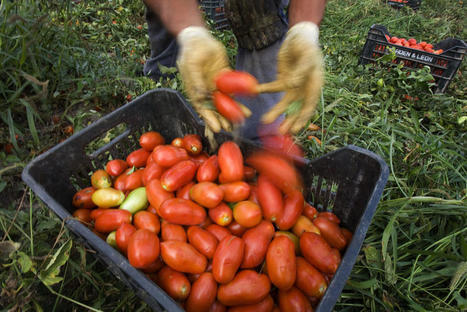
(284, 55)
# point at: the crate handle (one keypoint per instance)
(125, 132)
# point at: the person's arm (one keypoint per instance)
(306, 10)
(176, 15)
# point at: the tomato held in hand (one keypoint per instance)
(237, 82)
(143, 248)
(228, 107)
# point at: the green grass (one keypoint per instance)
(67, 64)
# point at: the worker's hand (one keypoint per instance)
(200, 59)
(299, 74)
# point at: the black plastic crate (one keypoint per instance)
(443, 66)
(414, 4)
(214, 10)
(348, 181)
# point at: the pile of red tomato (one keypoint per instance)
(216, 232)
(413, 44)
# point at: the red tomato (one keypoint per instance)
(230, 160)
(156, 194)
(202, 240)
(111, 219)
(208, 171)
(221, 215)
(116, 167)
(254, 194)
(176, 284)
(248, 287)
(236, 229)
(143, 248)
(120, 181)
(217, 307)
(192, 143)
(83, 198)
(270, 198)
(83, 215)
(318, 252)
(152, 171)
(235, 191)
(100, 179)
(247, 213)
(153, 267)
(249, 173)
(304, 224)
(281, 262)
(218, 231)
(178, 175)
(279, 171)
(177, 142)
(309, 279)
(228, 107)
(146, 220)
(257, 240)
(184, 191)
(96, 213)
(122, 236)
(412, 41)
(182, 211)
(293, 207)
(207, 194)
(293, 300)
(183, 257)
(265, 305)
(200, 158)
(294, 238)
(309, 211)
(283, 144)
(347, 234)
(331, 232)
(227, 258)
(236, 82)
(149, 140)
(138, 158)
(168, 155)
(203, 293)
(170, 231)
(134, 180)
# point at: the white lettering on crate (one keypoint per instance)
(414, 55)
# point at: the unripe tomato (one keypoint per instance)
(293, 207)
(170, 231)
(83, 215)
(146, 220)
(184, 191)
(176, 284)
(208, 171)
(248, 287)
(107, 197)
(182, 211)
(116, 167)
(122, 236)
(183, 257)
(221, 215)
(111, 219)
(202, 240)
(149, 140)
(331, 232)
(281, 263)
(143, 248)
(304, 224)
(207, 194)
(317, 252)
(293, 300)
(156, 194)
(230, 160)
(309, 279)
(227, 258)
(100, 179)
(218, 231)
(138, 158)
(168, 155)
(270, 199)
(257, 240)
(178, 175)
(235, 191)
(247, 213)
(203, 294)
(192, 143)
(265, 305)
(83, 198)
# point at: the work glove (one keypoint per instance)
(200, 59)
(300, 75)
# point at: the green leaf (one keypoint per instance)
(49, 275)
(391, 277)
(363, 285)
(25, 262)
(2, 186)
(31, 123)
(464, 247)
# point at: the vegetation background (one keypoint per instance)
(65, 64)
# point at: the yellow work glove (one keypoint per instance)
(200, 58)
(299, 74)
